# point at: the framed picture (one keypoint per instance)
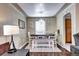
(21, 24)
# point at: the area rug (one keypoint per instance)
(55, 49)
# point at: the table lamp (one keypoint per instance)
(11, 30)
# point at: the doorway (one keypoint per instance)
(68, 28)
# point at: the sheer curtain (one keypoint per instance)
(40, 27)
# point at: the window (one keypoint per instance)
(40, 27)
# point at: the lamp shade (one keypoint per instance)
(10, 30)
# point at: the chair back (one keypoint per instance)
(76, 37)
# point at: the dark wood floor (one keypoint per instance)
(63, 53)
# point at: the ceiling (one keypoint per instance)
(41, 9)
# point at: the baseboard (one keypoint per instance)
(59, 44)
(23, 45)
(62, 47)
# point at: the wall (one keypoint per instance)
(50, 24)
(9, 16)
(60, 23)
(77, 17)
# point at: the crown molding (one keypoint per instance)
(18, 8)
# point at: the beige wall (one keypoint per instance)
(60, 23)
(50, 24)
(9, 16)
(77, 17)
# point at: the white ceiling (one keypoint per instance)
(41, 9)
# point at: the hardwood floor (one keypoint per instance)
(63, 53)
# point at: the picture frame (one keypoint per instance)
(21, 24)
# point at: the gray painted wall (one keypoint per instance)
(50, 24)
(9, 16)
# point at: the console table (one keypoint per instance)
(42, 36)
(19, 52)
